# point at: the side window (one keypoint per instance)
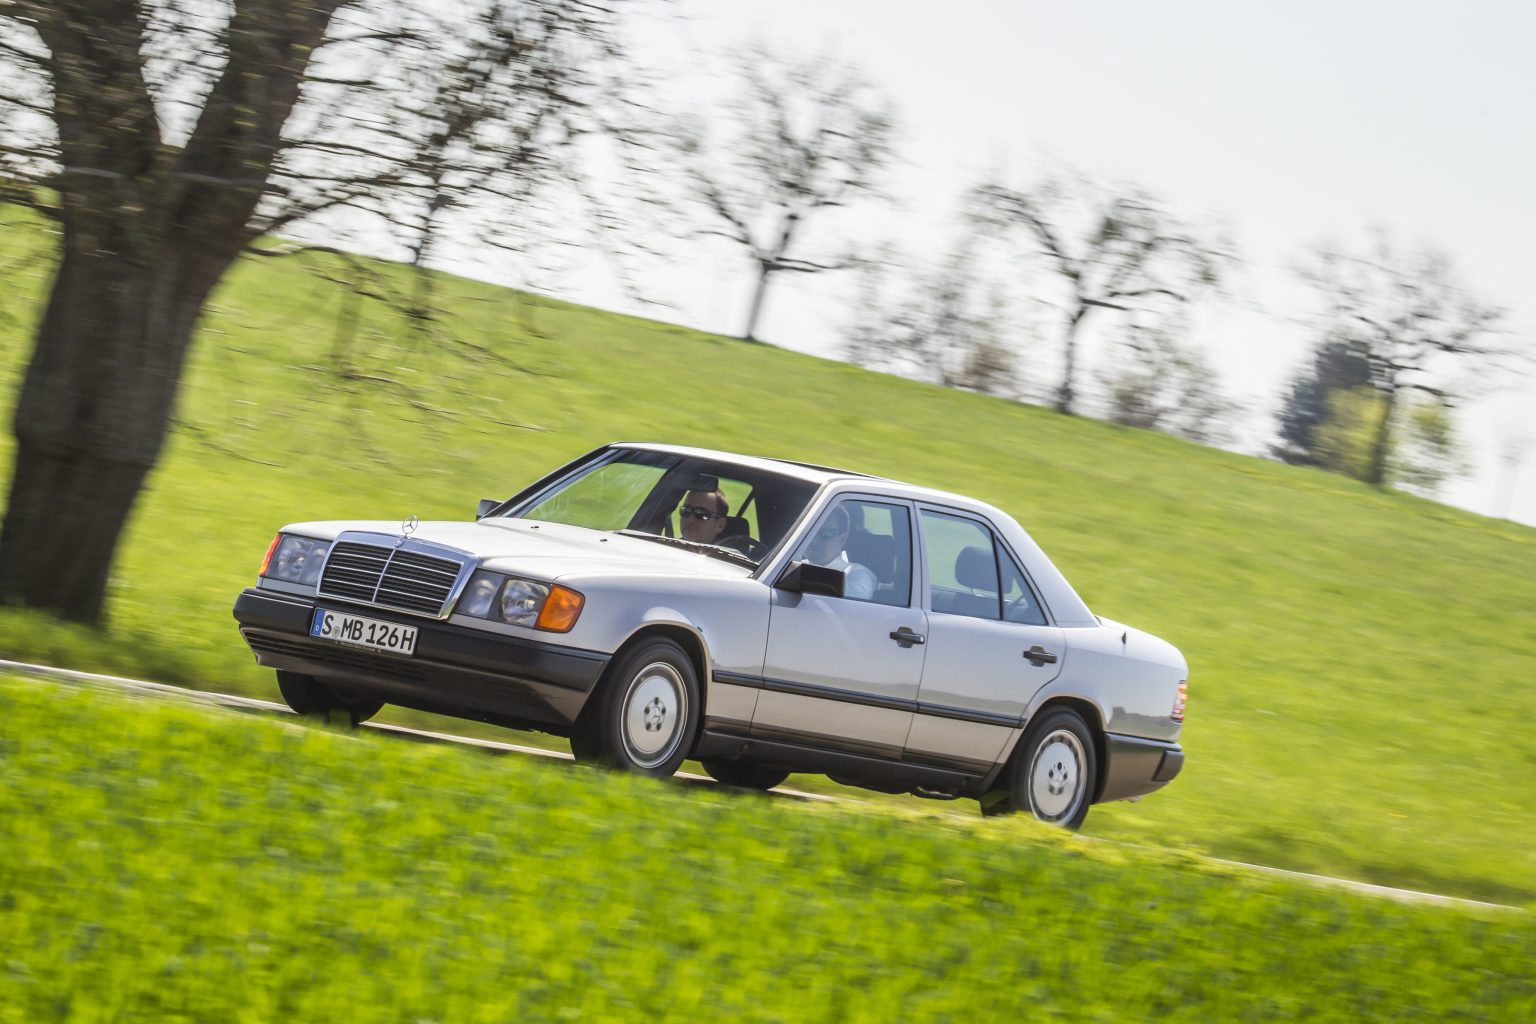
(872, 542)
(962, 567)
(1019, 603)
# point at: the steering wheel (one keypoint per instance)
(745, 544)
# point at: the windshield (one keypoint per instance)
(701, 503)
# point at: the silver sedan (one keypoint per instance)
(655, 603)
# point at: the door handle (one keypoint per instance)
(907, 638)
(1038, 656)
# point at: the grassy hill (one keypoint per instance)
(1362, 689)
(180, 863)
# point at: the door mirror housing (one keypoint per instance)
(809, 578)
(485, 506)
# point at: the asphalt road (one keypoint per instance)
(161, 691)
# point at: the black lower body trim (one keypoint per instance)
(870, 700)
(1135, 766)
(888, 773)
(454, 671)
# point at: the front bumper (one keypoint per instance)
(1135, 766)
(456, 670)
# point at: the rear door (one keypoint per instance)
(838, 672)
(990, 647)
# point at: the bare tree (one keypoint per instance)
(167, 137)
(1116, 252)
(807, 137)
(1158, 382)
(1408, 318)
(950, 326)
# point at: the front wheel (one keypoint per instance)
(308, 696)
(1053, 773)
(646, 714)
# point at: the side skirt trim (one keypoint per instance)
(869, 700)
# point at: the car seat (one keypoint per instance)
(976, 569)
(877, 553)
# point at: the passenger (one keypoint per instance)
(702, 516)
(826, 548)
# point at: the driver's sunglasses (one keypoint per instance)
(703, 515)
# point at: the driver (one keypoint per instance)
(826, 548)
(702, 516)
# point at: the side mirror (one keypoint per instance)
(809, 578)
(485, 506)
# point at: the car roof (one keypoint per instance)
(818, 474)
(788, 467)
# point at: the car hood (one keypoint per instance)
(543, 550)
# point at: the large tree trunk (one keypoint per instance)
(92, 416)
(148, 230)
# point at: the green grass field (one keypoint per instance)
(1361, 697)
(168, 862)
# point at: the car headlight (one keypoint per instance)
(295, 559)
(520, 602)
(480, 594)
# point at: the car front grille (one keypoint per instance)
(390, 577)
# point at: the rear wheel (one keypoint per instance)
(1053, 773)
(745, 774)
(646, 716)
(308, 696)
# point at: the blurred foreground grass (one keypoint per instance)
(167, 862)
(1363, 664)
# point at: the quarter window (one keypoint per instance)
(1019, 602)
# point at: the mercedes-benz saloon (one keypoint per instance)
(656, 603)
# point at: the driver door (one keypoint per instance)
(835, 677)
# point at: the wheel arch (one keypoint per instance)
(685, 636)
(1088, 711)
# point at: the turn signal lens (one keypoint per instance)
(1178, 702)
(560, 610)
(266, 559)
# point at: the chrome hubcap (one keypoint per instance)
(1055, 778)
(655, 709)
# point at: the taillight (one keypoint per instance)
(1178, 702)
(266, 559)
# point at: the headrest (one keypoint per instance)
(977, 568)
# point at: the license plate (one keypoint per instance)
(374, 634)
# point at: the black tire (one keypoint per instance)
(645, 715)
(745, 774)
(1052, 774)
(308, 696)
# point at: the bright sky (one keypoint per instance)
(1288, 123)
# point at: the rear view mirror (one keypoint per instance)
(809, 578)
(484, 508)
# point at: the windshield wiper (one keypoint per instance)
(699, 547)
